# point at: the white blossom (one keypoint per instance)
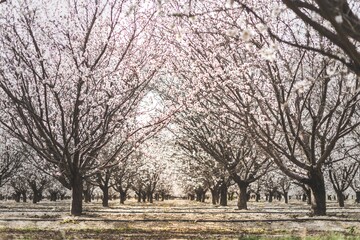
(262, 27)
(301, 86)
(229, 3)
(247, 34)
(339, 19)
(232, 32)
(269, 53)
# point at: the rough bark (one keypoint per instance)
(62, 196)
(143, 196)
(24, 196)
(150, 197)
(35, 196)
(270, 197)
(357, 200)
(17, 196)
(257, 197)
(223, 194)
(317, 186)
(122, 197)
(76, 201)
(286, 197)
(87, 195)
(214, 196)
(242, 200)
(53, 196)
(105, 199)
(341, 198)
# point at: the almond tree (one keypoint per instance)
(341, 177)
(102, 179)
(198, 164)
(237, 154)
(72, 75)
(284, 187)
(19, 184)
(153, 167)
(198, 172)
(56, 190)
(124, 175)
(37, 182)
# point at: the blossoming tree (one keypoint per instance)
(295, 103)
(72, 77)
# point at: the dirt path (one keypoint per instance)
(175, 219)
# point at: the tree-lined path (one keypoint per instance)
(178, 218)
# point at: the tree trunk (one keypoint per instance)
(151, 197)
(53, 196)
(143, 197)
(357, 200)
(105, 199)
(308, 201)
(223, 194)
(213, 196)
(122, 197)
(17, 196)
(257, 197)
(192, 197)
(87, 195)
(304, 197)
(271, 196)
(198, 196)
(286, 196)
(341, 198)
(76, 197)
(24, 196)
(203, 196)
(307, 196)
(317, 185)
(242, 200)
(35, 196)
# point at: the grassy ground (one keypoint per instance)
(133, 234)
(176, 219)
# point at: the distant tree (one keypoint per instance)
(201, 167)
(341, 176)
(20, 186)
(235, 153)
(163, 190)
(123, 178)
(12, 155)
(102, 179)
(37, 181)
(55, 190)
(270, 186)
(284, 187)
(256, 188)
